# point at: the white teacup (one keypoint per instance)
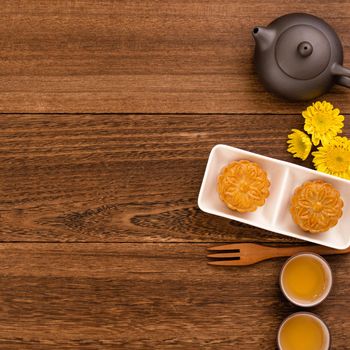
(291, 340)
(305, 273)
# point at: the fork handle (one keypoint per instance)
(321, 250)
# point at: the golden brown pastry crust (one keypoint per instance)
(316, 206)
(243, 186)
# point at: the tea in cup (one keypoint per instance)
(303, 331)
(306, 279)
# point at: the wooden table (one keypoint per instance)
(108, 112)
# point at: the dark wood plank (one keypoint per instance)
(144, 56)
(147, 296)
(123, 178)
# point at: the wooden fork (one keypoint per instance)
(240, 254)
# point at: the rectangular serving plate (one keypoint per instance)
(274, 215)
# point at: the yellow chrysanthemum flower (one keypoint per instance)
(334, 158)
(322, 122)
(299, 144)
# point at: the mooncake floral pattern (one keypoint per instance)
(243, 186)
(316, 206)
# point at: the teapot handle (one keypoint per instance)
(343, 73)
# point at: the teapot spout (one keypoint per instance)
(263, 37)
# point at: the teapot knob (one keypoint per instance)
(305, 49)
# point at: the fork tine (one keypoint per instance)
(233, 246)
(226, 263)
(224, 255)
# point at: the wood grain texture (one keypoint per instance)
(144, 56)
(123, 178)
(146, 296)
(102, 243)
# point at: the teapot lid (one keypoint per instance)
(303, 51)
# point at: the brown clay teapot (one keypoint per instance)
(299, 56)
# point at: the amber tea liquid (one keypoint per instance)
(304, 278)
(303, 332)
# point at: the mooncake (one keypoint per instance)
(316, 206)
(243, 186)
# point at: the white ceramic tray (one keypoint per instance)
(274, 215)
